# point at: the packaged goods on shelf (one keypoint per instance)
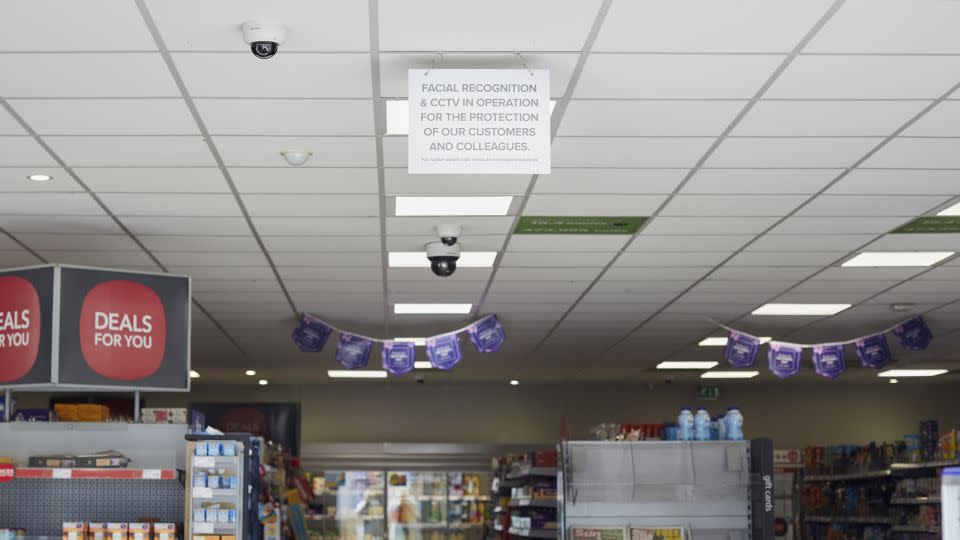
(106, 459)
(96, 531)
(74, 530)
(118, 531)
(598, 533)
(165, 531)
(140, 531)
(81, 412)
(33, 415)
(163, 416)
(13, 534)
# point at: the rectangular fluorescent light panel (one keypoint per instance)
(356, 374)
(722, 341)
(729, 374)
(398, 116)
(422, 364)
(498, 205)
(417, 341)
(952, 211)
(432, 309)
(800, 309)
(897, 258)
(686, 365)
(418, 259)
(911, 373)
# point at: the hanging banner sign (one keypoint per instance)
(873, 351)
(353, 352)
(914, 335)
(741, 349)
(311, 334)
(398, 357)
(479, 121)
(26, 326)
(828, 360)
(579, 224)
(444, 351)
(784, 358)
(487, 334)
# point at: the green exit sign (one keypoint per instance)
(579, 224)
(931, 224)
(708, 391)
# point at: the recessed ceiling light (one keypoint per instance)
(497, 205)
(296, 157)
(39, 177)
(432, 309)
(422, 364)
(250, 372)
(911, 373)
(686, 365)
(514, 382)
(897, 258)
(417, 341)
(729, 374)
(722, 341)
(418, 259)
(952, 211)
(398, 116)
(262, 382)
(800, 309)
(894, 381)
(194, 374)
(356, 374)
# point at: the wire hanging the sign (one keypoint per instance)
(523, 62)
(433, 63)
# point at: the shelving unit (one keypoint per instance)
(533, 533)
(96, 474)
(914, 500)
(518, 506)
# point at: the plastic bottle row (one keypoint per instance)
(700, 427)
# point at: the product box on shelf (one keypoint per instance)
(117, 531)
(74, 530)
(140, 531)
(948, 446)
(96, 531)
(165, 531)
(33, 415)
(163, 416)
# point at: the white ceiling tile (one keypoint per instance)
(201, 244)
(827, 118)
(171, 204)
(759, 181)
(424, 275)
(817, 242)
(339, 226)
(868, 274)
(321, 243)
(15, 179)
(74, 204)
(549, 274)
(605, 286)
(791, 152)
(9, 126)
(12, 258)
(303, 75)
(786, 258)
(668, 76)
(430, 25)
(304, 180)
(482, 242)
(425, 226)
(59, 224)
(50, 25)
(941, 273)
(866, 77)
(656, 273)
(816, 285)
(649, 258)
(131, 151)
(107, 116)
(772, 286)
(211, 258)
(214, 25)
(871, 205)
(922, 26)
(394, 67)
(354, 259)
(626, 118)
(395, 152)
(287, 116)
(153, 179)
(645, 26)
(231, 286)
(501, 286)
(225, 272)
(163, 225)
(665, 243)
(23, 152)
(399, 182)
(78, 242)
(312, 205)
(837, 225)
(918, 153)
(327, 151)
(526, 307)
(120, 259)
(554, 259)
(310, 289)
(7, 243)
(696, 297)
(759, 273)
(628, 151)
(897, 182)
(596, 181)
(732, 205)
(428, 284)
(86, 75)
(708, 225)
(592, 205)
(563, 299)
(532, 243)
(940, 122)
(917, 286)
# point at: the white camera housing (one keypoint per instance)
(264, 38)
(449, 233)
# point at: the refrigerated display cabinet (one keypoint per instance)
(349, 505)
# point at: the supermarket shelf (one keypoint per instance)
(852, 476)
(96, 474)
(215, 528)
(903, 467)
(867, 520)
(468, 498)
(897, 469)
(210, 493)
(534, 503)
(915, 528)
(532, 471)
(421, 525)
(915, 500)
(215, 462)
(533, 533)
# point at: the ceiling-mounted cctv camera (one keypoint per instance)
(264, 38)
(443, 258)
(296, 157)
(448, 233)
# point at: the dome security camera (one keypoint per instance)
(443, 258)
(264, 38)
(448, 233)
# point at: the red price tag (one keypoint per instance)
(7, 472)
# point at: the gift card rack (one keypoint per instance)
(215, 488)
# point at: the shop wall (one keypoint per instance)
(793, 414)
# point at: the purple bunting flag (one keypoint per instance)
(486, 334)
(741, 349)
(444, 351)
(873, 351)
(353, 352)
(311, 334)
(913, 334)
(784, 358)
(398, 356)
(828, 360)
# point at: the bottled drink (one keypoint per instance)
(685, 425)
(734, 424)
(722, 427)
(701, 425)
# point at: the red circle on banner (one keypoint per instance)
(19, 327)
(123, 330)
(7, 472)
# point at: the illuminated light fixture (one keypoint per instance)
(897, 258)
(722, 341)
(417, 341)
(729, 374)
(800, 309)
(250, 372)
(894, 381)
(356, 374)
(262, 382)
(432, 309)
(39, 177)
(398, 116)
(687, 365)
(952, 211)
(495, 205)
(418, 259)
(194, 374)
(422, 364)
(911, 373)
(514, 382)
